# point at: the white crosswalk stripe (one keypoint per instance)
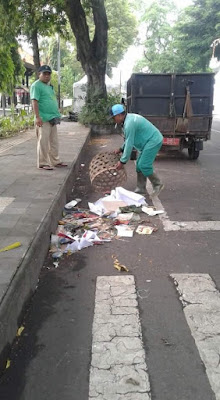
(118, 368)
(169, 225)
(201, 302)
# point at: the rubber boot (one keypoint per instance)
(141, 183)
(156, 184)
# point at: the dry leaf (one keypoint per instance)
(20, 330)
(118, 266)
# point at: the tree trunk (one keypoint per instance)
(4, 104)
(36, 53)
(91, 54)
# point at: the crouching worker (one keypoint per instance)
(144, 137)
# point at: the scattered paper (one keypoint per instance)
(119, 197)
(130, 198)
(54, 240)
(144, 230)
(112, 205)
(125, 230)
(97, 208)
(88, 239)
(125, 217)
(55, 264)
(72, 204)
(57, 254)
(151, 211)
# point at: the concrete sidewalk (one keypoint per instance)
(31, 201)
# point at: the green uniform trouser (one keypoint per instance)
(146, 158)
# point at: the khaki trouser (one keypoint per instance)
(47, 145)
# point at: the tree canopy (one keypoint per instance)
(198, 26)
(11, 66)
(180, 41)
(99, 33)
(159, 54)
(121, 33)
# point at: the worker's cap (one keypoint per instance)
(115, 110)
(45, 68)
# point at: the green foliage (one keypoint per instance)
(121, 34)
(54, 81)
(44, 17)
(34, 18)
(6, 70)
(122, 31)
(71, 70)
(10, 61)
(13, 124)
(159, 44)
(180, 42)
(198, 26)
(98, 113)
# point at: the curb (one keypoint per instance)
(25, 280)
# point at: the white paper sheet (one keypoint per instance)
(151, 212)
(119, 197)
(88, 238)
(125, 230)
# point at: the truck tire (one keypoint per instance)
(193, 153)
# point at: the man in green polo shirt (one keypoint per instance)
(47, 117)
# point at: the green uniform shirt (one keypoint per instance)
(47, 102)
(138, 132)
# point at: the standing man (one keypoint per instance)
(144, 137)
(47, 117)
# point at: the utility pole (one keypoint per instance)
(58, 69)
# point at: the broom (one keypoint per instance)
(182, 123)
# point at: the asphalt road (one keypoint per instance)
(51, 359)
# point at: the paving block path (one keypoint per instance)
(31, 201)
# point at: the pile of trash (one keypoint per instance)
(120, 214)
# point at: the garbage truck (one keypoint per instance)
(179, 105)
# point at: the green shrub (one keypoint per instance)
(13, 124)
(98, 113)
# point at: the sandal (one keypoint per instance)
(59, 165)
(47, 167)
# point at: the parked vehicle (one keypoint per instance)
(179, 105)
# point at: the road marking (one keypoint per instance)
(191, 225)
(4, 202)
(181, 225)
(201, 302)
(118, 367)
(214, 130)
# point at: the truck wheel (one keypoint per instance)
(193, 153)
